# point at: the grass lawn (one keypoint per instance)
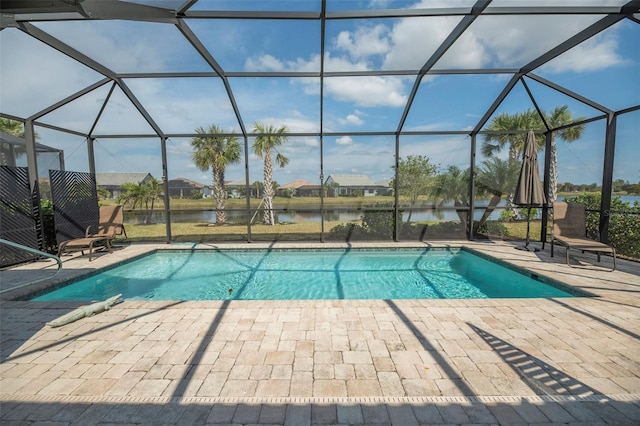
(286, 231)
(278, 202)
(283, 231)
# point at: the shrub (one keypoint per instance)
(377, 219)
(348, 231)
(46, 207)
(450, 230)
(506, 216)
(377, 223)
(493, 229)
(48, 227)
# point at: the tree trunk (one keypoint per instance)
(410, 212)
(513, 158)
(220, 195)
(147, 213)
(267, 215)
(495, 200)
(513, 153)
(462, 214)
(511, 206)
(553, 171)
(150, 212)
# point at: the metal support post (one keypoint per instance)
(472, 188)
(547, 183)
(396, 186)
(91, 155)
(165, 180)
(247, 186)
(607, 177)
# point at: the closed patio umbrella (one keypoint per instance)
(529, 192)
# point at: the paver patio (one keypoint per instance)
(489, 361)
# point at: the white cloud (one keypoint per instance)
(352, 119)
(295, 122)
(429, 127)
(414, 40)
(340, 63)
(514, 41)
(594, 54)
(369, 91)
(467, 52)
(344, 140)
(498, 41)
(379, 4)
(271, 63)
(365, 41)
(264, 63)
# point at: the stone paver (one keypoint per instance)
(333, 362)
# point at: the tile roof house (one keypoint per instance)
(300, 188)
(354, 185)
(237, 188)
(182, 188)
(113, 182)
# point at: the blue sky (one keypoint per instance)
(604, 69)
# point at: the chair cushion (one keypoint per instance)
(584, 244)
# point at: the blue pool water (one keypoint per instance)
(307, 274)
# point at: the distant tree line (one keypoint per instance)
(618, 186)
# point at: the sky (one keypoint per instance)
(604, 69)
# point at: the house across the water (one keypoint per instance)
(113, 182)
(299, 188)
(355, 185)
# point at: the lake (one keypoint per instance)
(420, 214)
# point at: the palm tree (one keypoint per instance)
(257, 187)
(211, 149)
(331, 188)
(152, 192)
(497, 177)
(510, 128)
(453, 185)
(142, 195)
(560, 116)
(12, 127)
(511, 134)
(132, 194)
(271, 137)
(530, 119)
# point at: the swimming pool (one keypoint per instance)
(308, 274)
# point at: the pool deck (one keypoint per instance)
(400, 362)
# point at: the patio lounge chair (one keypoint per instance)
(569, 230)
(111, 223)
(82, 244)
(109, 226)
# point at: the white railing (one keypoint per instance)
(34, 251)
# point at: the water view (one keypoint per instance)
(445, 213)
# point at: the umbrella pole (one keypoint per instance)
(526, 241)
